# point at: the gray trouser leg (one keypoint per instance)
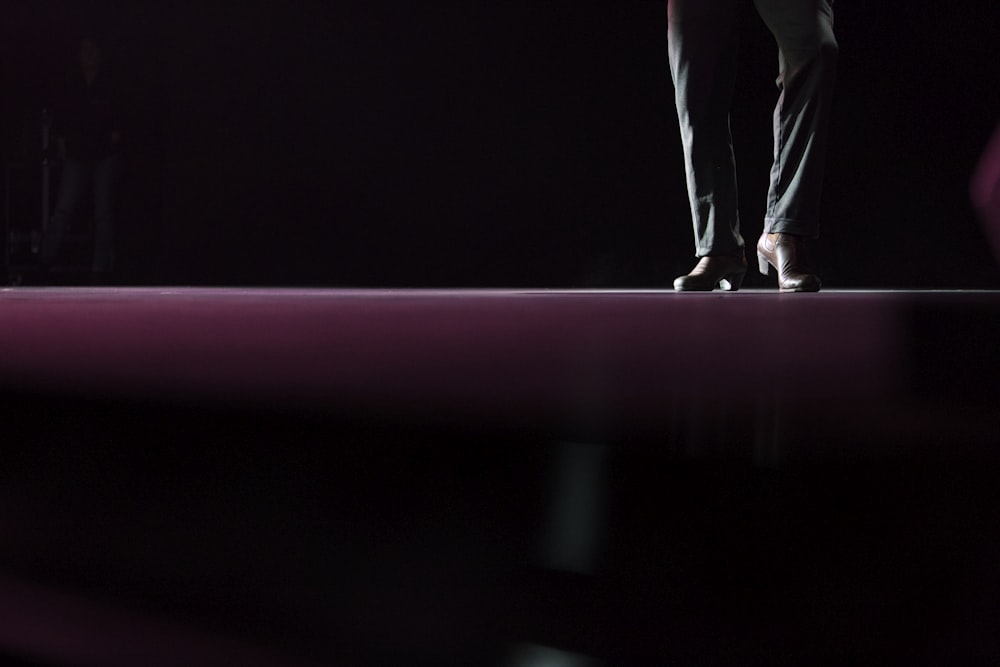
(807, 60)
(703, 49)
(703, 45)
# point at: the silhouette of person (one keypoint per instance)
(87, 129)
(702, 41)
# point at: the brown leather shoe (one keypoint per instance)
(723, 270)
(784, 252)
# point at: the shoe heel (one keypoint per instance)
(763, 265)
(732, 282)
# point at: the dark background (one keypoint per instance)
(496, 142)
(523, 143)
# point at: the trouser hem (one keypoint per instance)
(790, 226)
(738, 251)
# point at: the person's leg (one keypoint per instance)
(702, 39)
(807, 59)
(72, 184)
(106, 176)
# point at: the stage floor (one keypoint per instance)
(323, 340)
(369, 476)
(610, 356)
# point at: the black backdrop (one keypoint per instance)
(500, 142)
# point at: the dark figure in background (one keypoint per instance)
(702, 39)
(88, 134)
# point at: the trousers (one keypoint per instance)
(79, 177)
(702, 40)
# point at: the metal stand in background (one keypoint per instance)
(46, 176)
(26, 224)
(21, 246)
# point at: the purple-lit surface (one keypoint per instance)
(495, 351)
(270, 512)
